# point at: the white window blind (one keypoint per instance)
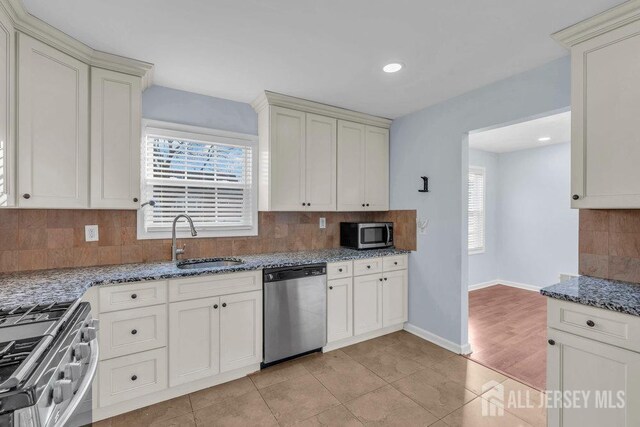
(476, 209)
(207, 177)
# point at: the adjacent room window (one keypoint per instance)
(208, 174)
(477, 189)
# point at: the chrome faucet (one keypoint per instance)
(175, 251)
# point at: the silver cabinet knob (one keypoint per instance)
(88, 334)
(62, 390)
(81, 351)
(72, 371)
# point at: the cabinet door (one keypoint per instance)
(351, 166)
(115, 139)
(287, 159)
(7, 111)
(367, 303)
(53, 127)
(240, 330)
(394, 298)
(320, 147)
(376, 181)
(339, 309)
(605, 110)
(194, 340)
(580, 364)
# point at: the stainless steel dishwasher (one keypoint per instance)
(295, 311)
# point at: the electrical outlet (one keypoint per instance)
(91, 233)
(323, 222)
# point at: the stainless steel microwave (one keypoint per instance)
(366, 235)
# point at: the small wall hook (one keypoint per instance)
(425, 185)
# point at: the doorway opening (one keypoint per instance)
(522, 236)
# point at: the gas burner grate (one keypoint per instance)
(32, 314)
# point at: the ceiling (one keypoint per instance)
(521, 136)
(330, 51)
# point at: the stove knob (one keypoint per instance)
(88, 334)
(81, 351)
(62, 390)
(72, 371)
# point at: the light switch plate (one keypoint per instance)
(91, 233)
(323, 222)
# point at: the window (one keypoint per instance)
(476, 208)
(210, 175)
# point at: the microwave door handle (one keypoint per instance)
(388, 234)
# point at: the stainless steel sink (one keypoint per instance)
(208, 263)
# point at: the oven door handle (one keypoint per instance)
(84, 387)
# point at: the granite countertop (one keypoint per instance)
(623, 297)
(47, 286)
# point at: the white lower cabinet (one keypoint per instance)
(240, 330)
(365, 296)
(394, 298)
(339, 309)
(131, 331)
(194, 340)
(163, 339)
(367, 303)
(125, 378)
(605, 373)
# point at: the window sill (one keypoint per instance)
(477, 252)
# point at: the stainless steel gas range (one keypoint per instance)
(48, 358)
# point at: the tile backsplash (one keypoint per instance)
(41, 239)
(610, 244)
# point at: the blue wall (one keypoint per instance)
(538, 230)
(531, 230)
(434, 142)
(188, 108)
(483, 267)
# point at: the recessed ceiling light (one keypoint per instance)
(544, 139)
(394, 67)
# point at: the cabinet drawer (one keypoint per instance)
(610, 327)
(396, 262)
(367, 266)
(214, 285)
(131, 331)
(139, 294)
(339, 270)
(129, 377)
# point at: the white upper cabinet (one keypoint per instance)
(286, 186)
(363, 167)
(115, 139)
(53, 127)
(351, 169)
(605, 106)
(301, 170)
(303, 162)
(320, 163)
(7, 110)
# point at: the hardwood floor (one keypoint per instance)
(507, 332)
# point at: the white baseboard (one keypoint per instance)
(437, 340)
(518, 285)
(482, 285)
(359, 338)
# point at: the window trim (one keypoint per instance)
(181, 131)
(483, 172)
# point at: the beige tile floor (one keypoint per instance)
(395, 380)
